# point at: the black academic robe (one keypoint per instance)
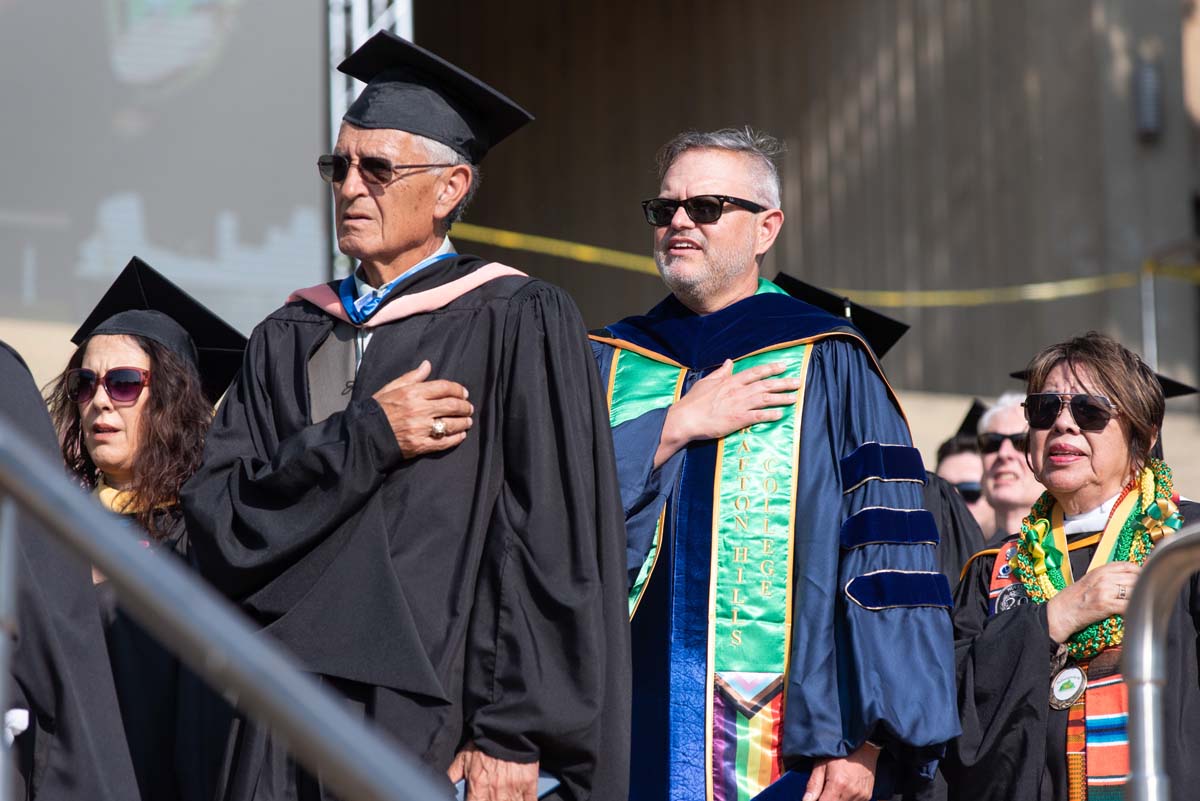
(960, 537)
(175, 724)
(1013, 745)
(75, 746)
(471, 595)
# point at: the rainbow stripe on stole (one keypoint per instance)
(751, 568)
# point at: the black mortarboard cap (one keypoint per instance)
(881, 331)
(141, 301)
(969, 426)
(1170, 387)
(411, 89)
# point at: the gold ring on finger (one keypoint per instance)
(438, 429)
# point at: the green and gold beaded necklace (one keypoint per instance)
(1145, 512)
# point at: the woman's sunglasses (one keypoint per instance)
(123, 384)
(1091, 412)
(700, 208)
(991, 441)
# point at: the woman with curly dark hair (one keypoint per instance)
(132, 419)
(132, 409)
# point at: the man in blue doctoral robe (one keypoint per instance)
(791, 630)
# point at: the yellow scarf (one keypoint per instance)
(122, 502)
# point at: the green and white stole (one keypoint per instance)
(751, 567)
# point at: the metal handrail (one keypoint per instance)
(209, 635)
(1143, 658)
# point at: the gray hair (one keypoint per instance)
(1005, 401)
(438, 153)
(762, 147)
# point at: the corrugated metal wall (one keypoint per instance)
(945, 144)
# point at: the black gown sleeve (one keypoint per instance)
(261, 500)
(548, 665)
(1003, 671)
(960, 536)
(74, 747)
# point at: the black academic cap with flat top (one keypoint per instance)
(410, 89)
(1170, 387)
(141, 301)
(881, 331)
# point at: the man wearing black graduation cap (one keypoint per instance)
(411, 485)
(790, 628)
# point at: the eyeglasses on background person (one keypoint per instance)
(699, 208)
(971, 491)
(990, 442)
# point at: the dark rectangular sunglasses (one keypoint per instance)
(334, 168)
(1091, 412)
(970, 491)
(991, 441)
(700, 208)
(123, 384)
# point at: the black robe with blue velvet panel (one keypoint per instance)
(855, 674)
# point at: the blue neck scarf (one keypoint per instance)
(359, 308)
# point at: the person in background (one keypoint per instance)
(1038, 620)
(959, 463)
(132, 409)
(1009, 486)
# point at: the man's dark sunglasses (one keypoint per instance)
(700, 208)
(374, 170)
(991, 441)
(1091, 412)
(123, 384)
(970, 491)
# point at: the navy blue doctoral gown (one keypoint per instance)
(882, 674)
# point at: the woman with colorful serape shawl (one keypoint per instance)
(1038, 621)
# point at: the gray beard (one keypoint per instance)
(692, 289)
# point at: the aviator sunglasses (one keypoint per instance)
(374, 170)
(991, 441)
(1091, 412)
(123, 384)
(700, 208)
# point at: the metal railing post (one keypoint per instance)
(1143, 658)
(8, 627)
(211, 636)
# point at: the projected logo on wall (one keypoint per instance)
(164, 44)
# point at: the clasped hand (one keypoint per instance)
(491, 779)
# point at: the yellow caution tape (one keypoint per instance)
(555, 247)
(1046, 290)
